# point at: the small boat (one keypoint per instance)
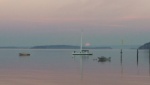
(24, 54)
(82, 51)
(104, 59)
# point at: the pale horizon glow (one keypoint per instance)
(49, 22)
(87, 44)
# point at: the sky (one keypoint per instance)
(52, 22)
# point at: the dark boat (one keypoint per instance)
(104, 59)
(24, 54)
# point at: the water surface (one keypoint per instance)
(59, 67)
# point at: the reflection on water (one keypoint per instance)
(81, 58)
(127, 62)
(59, 67)
(137, 62)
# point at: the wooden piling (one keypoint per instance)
(121, 51)
(121, 55)
(137, 56)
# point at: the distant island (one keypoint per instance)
(12, 47)
(145, 46)
(9, 47)
(66, 47)
(71, 47)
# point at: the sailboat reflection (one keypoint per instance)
(81, 59)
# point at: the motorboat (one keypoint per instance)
(24, 54)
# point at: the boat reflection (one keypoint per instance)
(81, 59)
(123, 64)
(102, 59)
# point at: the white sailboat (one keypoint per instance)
(82, 51)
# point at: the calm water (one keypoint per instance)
(59, 67)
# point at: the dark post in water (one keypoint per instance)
(121, 56)
(137, 56)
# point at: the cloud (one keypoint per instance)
(130, 18)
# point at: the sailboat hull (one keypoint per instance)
(82, 54)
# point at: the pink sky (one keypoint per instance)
(104, 16)
(33, 10)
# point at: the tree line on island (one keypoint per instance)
(145, 46)
(66, 47)
(55, 47)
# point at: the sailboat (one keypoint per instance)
(82, 51)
